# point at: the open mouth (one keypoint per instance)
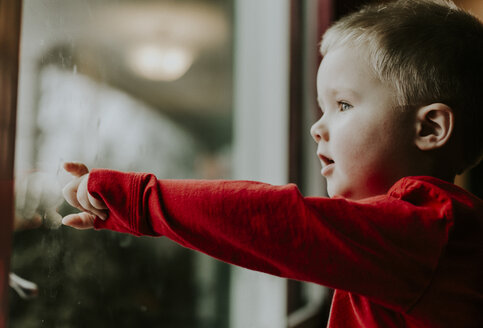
(327, 165)
(326, 160)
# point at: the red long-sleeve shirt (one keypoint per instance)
(410, 258)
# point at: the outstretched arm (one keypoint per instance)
(368, 247)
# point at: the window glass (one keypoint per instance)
(129, 85)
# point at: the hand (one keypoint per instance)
(77, 195)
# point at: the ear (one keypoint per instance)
(434, 126)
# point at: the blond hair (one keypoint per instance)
(429, 51)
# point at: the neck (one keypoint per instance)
(440, 171)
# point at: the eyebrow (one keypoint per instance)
(334, 92)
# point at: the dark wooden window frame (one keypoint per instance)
(10, 15)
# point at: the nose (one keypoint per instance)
(319, 131)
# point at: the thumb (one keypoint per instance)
(76, 169)
(79, 221)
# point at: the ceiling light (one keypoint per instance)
(160, 63)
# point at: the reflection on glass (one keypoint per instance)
(160, 63)
(129, 85)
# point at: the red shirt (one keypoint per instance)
(410, 258)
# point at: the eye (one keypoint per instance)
(343, 106)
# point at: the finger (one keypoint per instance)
(84, 200)
(76, 169)
(99, 206)
(97, 203)
(79, 221)
(70, 194)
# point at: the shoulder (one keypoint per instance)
(432, 192)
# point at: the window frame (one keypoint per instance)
(10, 22)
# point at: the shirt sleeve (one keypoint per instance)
(384, 248)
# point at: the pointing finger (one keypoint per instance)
(76, 169)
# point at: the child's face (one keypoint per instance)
(364, 143)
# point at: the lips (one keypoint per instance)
(325, 160)
(327, 164)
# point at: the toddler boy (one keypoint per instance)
(399, 90)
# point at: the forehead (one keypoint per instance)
(345, 72)
(345, 67)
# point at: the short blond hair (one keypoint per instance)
(429, 51)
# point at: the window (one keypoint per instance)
(129, 85)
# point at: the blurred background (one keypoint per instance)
(211, 89)
(141, 86)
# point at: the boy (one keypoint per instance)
(400, 244)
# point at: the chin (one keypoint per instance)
(334, 191)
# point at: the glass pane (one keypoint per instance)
(129, 85)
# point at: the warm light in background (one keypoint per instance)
(160, 63)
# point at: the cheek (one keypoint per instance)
(360, 146)
(353, 138)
